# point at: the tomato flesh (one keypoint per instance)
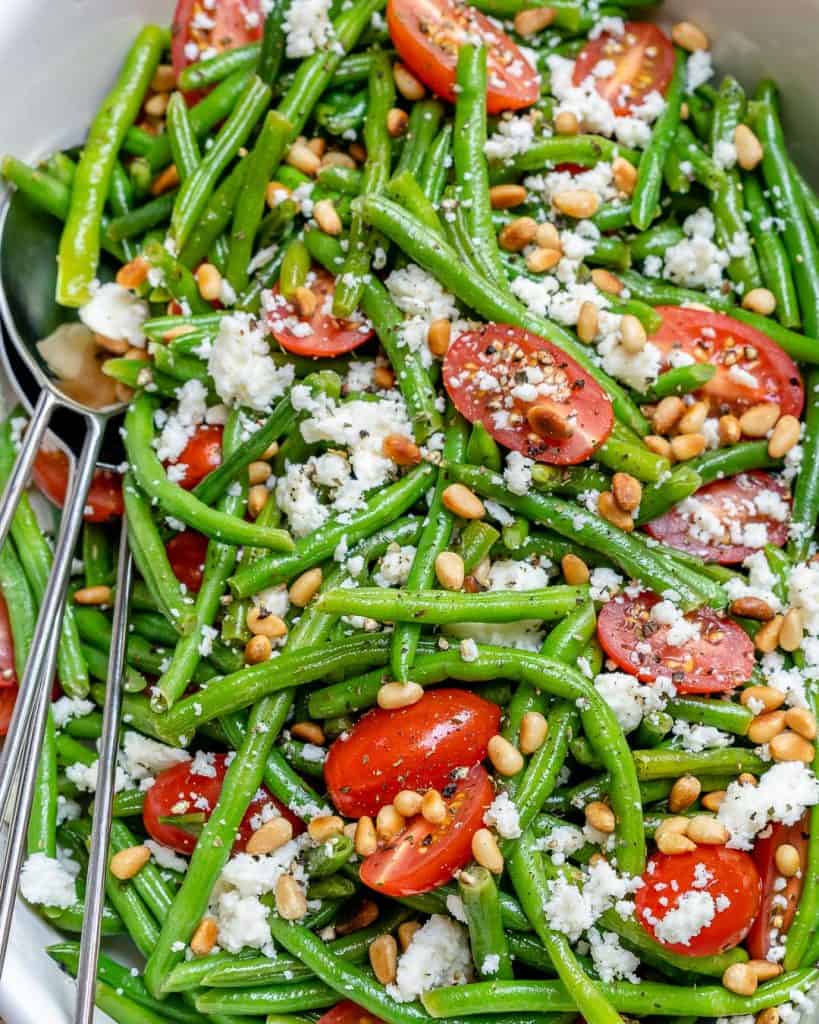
(408, 748)
(729, 877)
(200, 456)
(178, 791)
(719, 657)
(777, 903)
(424, 856)
(733, 503)
(321, 334)
(750, 368)
(187, 552)
(348, 1013)
(427, 35)
(643, 59)
(200, 29)
(502, 376)
(51, 472)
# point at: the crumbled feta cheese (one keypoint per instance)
(692, 911)
(437, 956)
(782, 794)
(611, 960)
(508, 574)
(66, 708)
(394, 567)
(49, 882)
(502, 814)
(116, 313)
(241, 367)
(518, 473)
(631, 700)
(308, 27)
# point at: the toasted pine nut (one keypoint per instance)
(658, 445)
(257, 499)
(128, 862)
(462, 502)
(406, 931)
(407, 84)
(769, 1016)
(438, 336)
(275, 193)
(578, 203)
(318, 146)
(566, 123)
(302, 157)
(674, 843)
(548, 237)
(270, 836)
(764, 727)
(388, 822)
(740, 978)
(689, 36)
(306, 301)
(517, 234)
(746, 779)
(711, 801)
(325, 827)
(325, 215)
(588, 321)
(366, 841)
(257, 649)
(574, 569)
(790, 636)
(93, 595)
(533, 732)
(684, 792)
(547, 418)
(784, 437)
(165, 180)
(204, 938)
(383, 955)
(258, 472)
(529, 23)
(687, 446)
(157, 104)
(759, 300)
(397, 121)
(335, 158)
(164, 78)
(759, 419)
(261, 622)
(304, 589)
(357, 152)
(667, 826)
(504, 197)
(767, 638)
(749, 148)
(765, 969)
(611, 511)
(627, 491)
(729, 429)
(632, 334)
(384, 378)
(291, 903)
(310, 732)
(433, 807)
(402, 450)
(787, 859)
(768, 696)
(408, 803)
(704, 829)
(449, 570)
(667, 414)
(364, 916)
(133, 273)
(606, 281)
(789, 746)
(505, 757)
(486, 851)
(751, 608)
(177, 332)
(209, 282)
(539, 260)
(693, 418)
(399, 695)
(600, 816)
(802, 722)
(625, 175)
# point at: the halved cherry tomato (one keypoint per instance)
(178, 792)
(529, 395)
(201, 454)
(714, 870)
(8, 675)
(718, 658)
(199, 26)
(424, 856)
(8, 698)
(750, 367)
(348, 1013)
(51, 471)
(186, 553)
(427, 34)
(409, 748)
(764, 930)
(643, 60)
(320, 334)
(733, 503)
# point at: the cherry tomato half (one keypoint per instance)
(424, 856)
(643, 59)
(348, 1013)
(8, 675)
(51, 471)
(201, 455)
(8, 698)
(750, 367)
(415, 747)
(733, 503)
(765, 928)
(529, 395)
(178, 791)
(320, 334)
(427, 34)
(722, 874)
(718, 658)
(199, 27)
(187, 552)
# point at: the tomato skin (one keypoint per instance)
(348, 1013)
(733, 875)
(486, 356)
(409, 748)
(51, 472)
(178, 783)
(721, 658)
(643, 58)
(424, 856)
(230, 29)
(201, 455)
(8, 698)
(759, 939)
(329, 336)
(414, 23)
(709, 337)
(723, 498)
(8, 675)
(186, 553)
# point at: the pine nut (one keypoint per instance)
(272, 451)
(176, 332)
(433, 807)
(325, 827)
(383, 955)
(397, 121)
(673, 843)
(769, 1016)
(529, 23)
(157, 104)
(784, 437)
(407, 84)
(704, 829)
(627, 491)
(517, 234)
(749, 148)
(384, 378)
(93, 595)
(768, 696)
(764, 727)
(668, 826)
(364, 916)
(548, 237)
(767, 638)
(578, 203)
(304, 589)
(462, 502)
(625, 175)
(399, 695)
(711, 801)
(306, 301)
(788, 862)
(438, 337)
(505, 757)
(302, 157)
(789, 746)
(600, 816)
(549, 420)
(684, 793)
(632, 334)
(275, 193)
(257, 649)
(668, 412)
(588, 321)
(318, 145)
(357, 152)
(128, 862)
(790, 636)
(270, 836)
(449, 570)
(310, 732)
(366, 841)
(741, 979)
(689, 36)
(765, 969)
(164, 78)
(406, 931)
(335, 158)
(539, 260)
(408, 803)
(291, 903)
(746, 779)
(658, 445)
(611, 511)
(165, 181)
(325, 215)
(566, 123)
(204, 938)
(574, 569)
(388, 823)
(134, 273)
(729, 429)
(403, 451)
(209, 281)
(752, 608)
(486, 851)
(687, 446)
(759, 419)
(802, 722)
(606, 281)
(693, 418)
(504, 197)
(258, 472)
(759, 300)
(257, 499)
(533, 732)
(261, 622)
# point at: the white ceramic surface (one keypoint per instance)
(57, 57)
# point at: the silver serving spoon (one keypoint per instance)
(28, 248)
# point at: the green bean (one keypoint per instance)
(773, 259)
(800, 348)
(805, 508)
(540, 776)
(282, 999)
(80, 240)
(704, 167)
(612, 216)
(809, 198)
(585, 150)
(435, 170)
(22, 611)
(97, 555)
(482, 449)
(273, 45)
(177, 278)
(215, 69)
(682, 482)
(733, 718)
(330, 857)
(141, 218)
(341, 179)
(184, 144)
(479, 895)
(129, 803)
(656, 239)
(42, 823)
(724, 462)
(621, 451)
(425, 117)
(674, 176)
(663, 764)
(476, 541)
(680, 380)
